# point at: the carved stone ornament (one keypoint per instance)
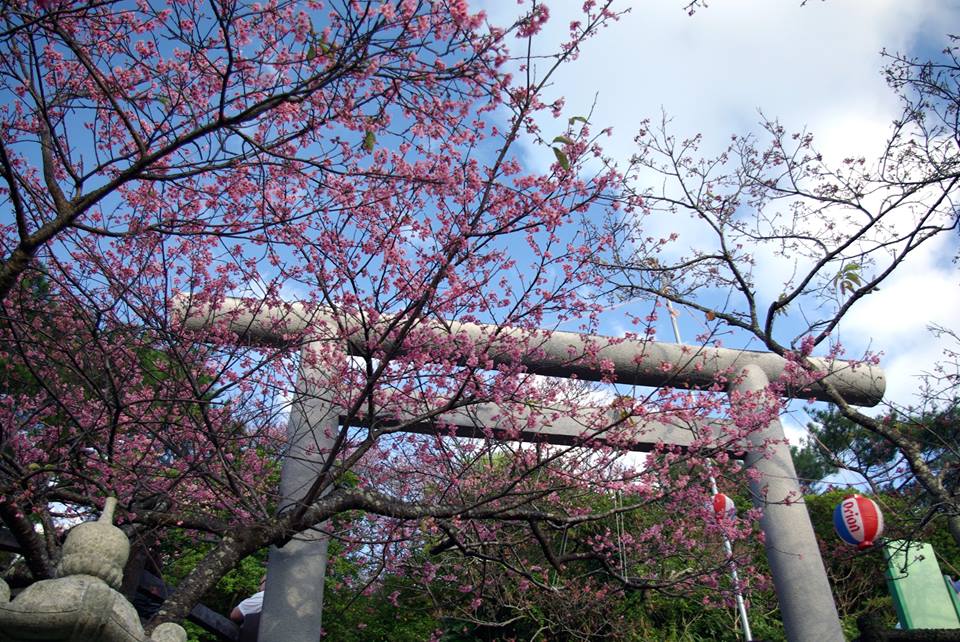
(83, 603)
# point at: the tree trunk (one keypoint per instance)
(953, 523)
(34, 549)
(231, 549)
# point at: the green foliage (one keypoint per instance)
(181, 553)
(662, 617)
(564, 140)
(561, 157)
(811, 463)
(857, 578)
(368, 605)
(15, 376)
(930, 434)
(848, 278)
(833, 435)
(935, 432)
(354, 617)
(197, 634)
(358, 609)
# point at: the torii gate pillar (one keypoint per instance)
(803, 590)
(293, 595)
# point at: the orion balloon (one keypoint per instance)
(858, 521)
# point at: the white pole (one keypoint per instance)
(741, 605)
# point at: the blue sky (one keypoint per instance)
(815, 67)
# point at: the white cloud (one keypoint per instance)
(923, 292)
(794, 427)
(815, 67)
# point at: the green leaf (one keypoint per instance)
(369, 141)
(781, 300)
(848, 279)
(561, 158)
(566, 140)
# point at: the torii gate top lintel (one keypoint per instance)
(562, 354)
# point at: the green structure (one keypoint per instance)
(923, 596)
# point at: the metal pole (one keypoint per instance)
(727, 547)
(293, 596)
(806, 600)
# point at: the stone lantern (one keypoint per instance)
(83, 603)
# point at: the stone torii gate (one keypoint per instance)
(293, 601)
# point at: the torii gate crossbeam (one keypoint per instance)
(294, 591)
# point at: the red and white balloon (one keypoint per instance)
(723, 507)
